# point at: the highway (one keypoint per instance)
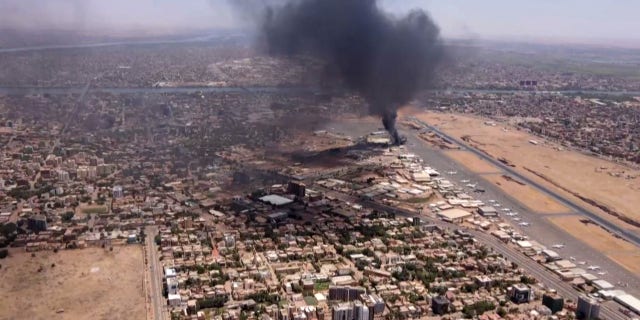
(155, 274)
(624, 233)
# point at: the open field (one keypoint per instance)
(622, 252)
(525, 194)
(471, 161)
(85, 284)
(610, 184)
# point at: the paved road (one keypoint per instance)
(155, 274)
(624, 233)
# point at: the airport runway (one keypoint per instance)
(540, 229)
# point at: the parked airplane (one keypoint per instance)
(602, 273)
(558, 246)
(452, 172)
(516, 219)
(524, 224)
(472, 185)
(593, 267)
(465, 181)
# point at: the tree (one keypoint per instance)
(4, 253)
(67, 216)
(8, 229)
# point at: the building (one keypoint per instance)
(553, 301)
(551, 255)
(629, 301)
(440, 305)
(174, 300)
(374, 302)
(277, 217)
(453, 215)
(342, 311)
(172, 285)
(488, 211)
(276, 200)
(345, 293)
(360, 311)
(117, 192)
(520, 293)
(588, 308)
(37, 223)
(298, 189)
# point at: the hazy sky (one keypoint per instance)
(583, 20)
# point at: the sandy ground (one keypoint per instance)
(525, 194)
(87, 284)
(618, 250)
(471, 161)
(586, 175)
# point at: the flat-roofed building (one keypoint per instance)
(488, 211)
(454, 215)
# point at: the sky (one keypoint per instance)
(579, 20)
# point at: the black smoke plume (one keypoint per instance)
(382, 58)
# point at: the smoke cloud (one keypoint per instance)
(385, 59)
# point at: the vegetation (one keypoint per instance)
(265, 297)
(478, 308)
(216, 302)
(67, 216)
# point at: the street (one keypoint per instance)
(155, 274)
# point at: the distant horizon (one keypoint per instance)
(144, 33)
(575, 22)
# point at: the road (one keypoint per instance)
(624, 233)
(155, 274)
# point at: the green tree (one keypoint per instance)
(67, 216)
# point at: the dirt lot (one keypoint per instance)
(87, 284)
(622, 252)
(611, 184)
(525, 194)
(471, 161)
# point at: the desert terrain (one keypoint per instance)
(91, 283)
(618, 250)
(534, 200)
